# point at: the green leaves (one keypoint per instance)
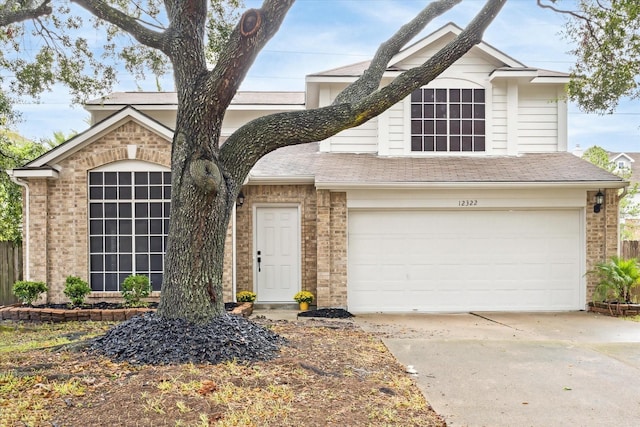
(607, 36)
(617, 277)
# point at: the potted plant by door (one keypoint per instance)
(304, 298)
(246, 296)
(245, 301)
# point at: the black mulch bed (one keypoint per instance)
(150, 340)
(332, 313)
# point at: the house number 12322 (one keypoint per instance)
(467, 203)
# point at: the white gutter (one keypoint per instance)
(25, 215)
(466, 185)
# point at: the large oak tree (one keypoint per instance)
(207, 175)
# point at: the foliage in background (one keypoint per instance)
(76, 290)
(61, 53)
(27, 292)
(606, 34)
(15, 151)
(617, 278)
(628, 208)
(134, 288)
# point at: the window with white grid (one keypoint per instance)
(128, 226)
(447, 120)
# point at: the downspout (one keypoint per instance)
(233, 253)
(620, 197)
(25, 215)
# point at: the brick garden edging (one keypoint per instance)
(615, 310)
(30, 314)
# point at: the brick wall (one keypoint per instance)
(58, 220)
(332, 249)
(302, 195)
(601, 234)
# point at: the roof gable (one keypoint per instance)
(445, 34)
(622, 155)
(98, 130)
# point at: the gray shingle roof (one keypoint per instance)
(171, 98)
(304, 161)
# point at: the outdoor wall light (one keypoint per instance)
(599, 199)
(240, 200)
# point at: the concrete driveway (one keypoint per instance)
(507, 369)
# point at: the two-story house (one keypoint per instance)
(461, 197)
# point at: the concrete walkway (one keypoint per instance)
(506, 369)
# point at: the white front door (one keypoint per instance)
(277, 253)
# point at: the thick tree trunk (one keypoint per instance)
(201, 206)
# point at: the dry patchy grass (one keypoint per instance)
(331, 373)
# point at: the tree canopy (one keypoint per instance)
(606, 34)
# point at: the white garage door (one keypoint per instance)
(464, 261)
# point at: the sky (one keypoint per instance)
(318, 35)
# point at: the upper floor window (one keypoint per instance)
(447, 120)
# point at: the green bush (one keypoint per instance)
(134, 288)
(76, 290)
(28, 292)
(617, 278)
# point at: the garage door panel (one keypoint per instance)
(462, 261)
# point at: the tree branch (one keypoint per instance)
(125, 22)
(588, 22)
(8, 17)
(561, 11)
(255, 29)
(263, 135)
(370, 79)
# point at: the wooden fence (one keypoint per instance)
(10, 270)
(630, 249)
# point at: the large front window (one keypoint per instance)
(128, 227)
(447, 120)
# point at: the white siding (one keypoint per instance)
(396, 138)
(474, 66)
(497, 134)
(537, 119)
(361, 139)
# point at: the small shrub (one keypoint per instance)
(246, 296)
(76, 290)
(27, 292)
(133, 289)
(303, 296)
(618, 277)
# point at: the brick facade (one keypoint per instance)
(299, 195)
(58, 223)
(602, 230)
(58, 218)
(332, 249)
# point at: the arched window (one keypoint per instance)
(129, 207)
